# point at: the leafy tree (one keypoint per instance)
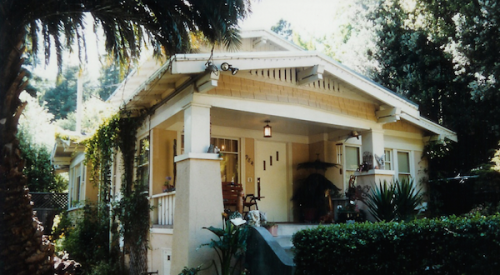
(38, 167)
(433, 53)
(283, 28)
(95, 112)
(61, 99)
(36, 139)
(126, 24)
(112, 74)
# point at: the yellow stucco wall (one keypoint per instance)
(162, 157)
(159, 252)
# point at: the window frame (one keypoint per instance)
(399, 174)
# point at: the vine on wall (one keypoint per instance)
(119, 135)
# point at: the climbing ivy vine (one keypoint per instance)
(117, 138)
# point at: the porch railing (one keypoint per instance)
(164, 204)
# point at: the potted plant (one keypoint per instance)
(167, 187)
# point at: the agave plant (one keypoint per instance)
(380, 202)
(396, 201)
(407, 199)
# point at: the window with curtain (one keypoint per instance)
(229, 166)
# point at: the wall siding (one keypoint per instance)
(402, 126)
(251, 89)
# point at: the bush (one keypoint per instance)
(88, 241)
(448, 245)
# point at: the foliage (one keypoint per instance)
(190, 271)
(381, 202)
(283, 28)
(111, 75)
(231, 244)
(439, 55)
(119, 135)
(447, 245)
(95, 113)
(35, 123)
(61, 99)
(88, 241)
(38, 167)
(59, 25)
(395, 201)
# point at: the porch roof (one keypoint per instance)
(66, 146)
(154, 84)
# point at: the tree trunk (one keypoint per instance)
(23, 249)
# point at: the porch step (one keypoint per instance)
(288, 229)
(285, 234)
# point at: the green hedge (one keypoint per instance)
(448, 245)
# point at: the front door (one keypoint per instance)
(271, 170)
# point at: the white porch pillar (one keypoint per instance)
(198, 201)
(196, 128)
(373, 142)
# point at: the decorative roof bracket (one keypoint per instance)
(207, 82)
(310, 75)
(388, 114)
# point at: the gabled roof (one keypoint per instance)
(267, 36)
(154, 84)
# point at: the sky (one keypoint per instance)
(311, 18)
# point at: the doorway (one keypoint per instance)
(271, 170)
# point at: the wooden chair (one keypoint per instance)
(233, 196)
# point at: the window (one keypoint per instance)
(403, 165)
(388, 159)
(229, 166)
(77, 181)
(143, 165)
(352, 162)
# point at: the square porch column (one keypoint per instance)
(373, 142)
(198, 201)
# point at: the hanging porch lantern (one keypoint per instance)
(268, 130)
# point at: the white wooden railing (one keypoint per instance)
(164, 204)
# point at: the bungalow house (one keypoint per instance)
(315, 107)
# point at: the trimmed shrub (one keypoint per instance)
(448, 245)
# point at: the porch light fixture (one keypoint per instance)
(268, 130)
(226, 66)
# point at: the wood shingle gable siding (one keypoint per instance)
(252, 89)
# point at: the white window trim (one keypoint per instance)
(391, 153)
(344, 162)
(410, 163)
(77, 163)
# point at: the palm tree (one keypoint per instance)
(25, 24)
